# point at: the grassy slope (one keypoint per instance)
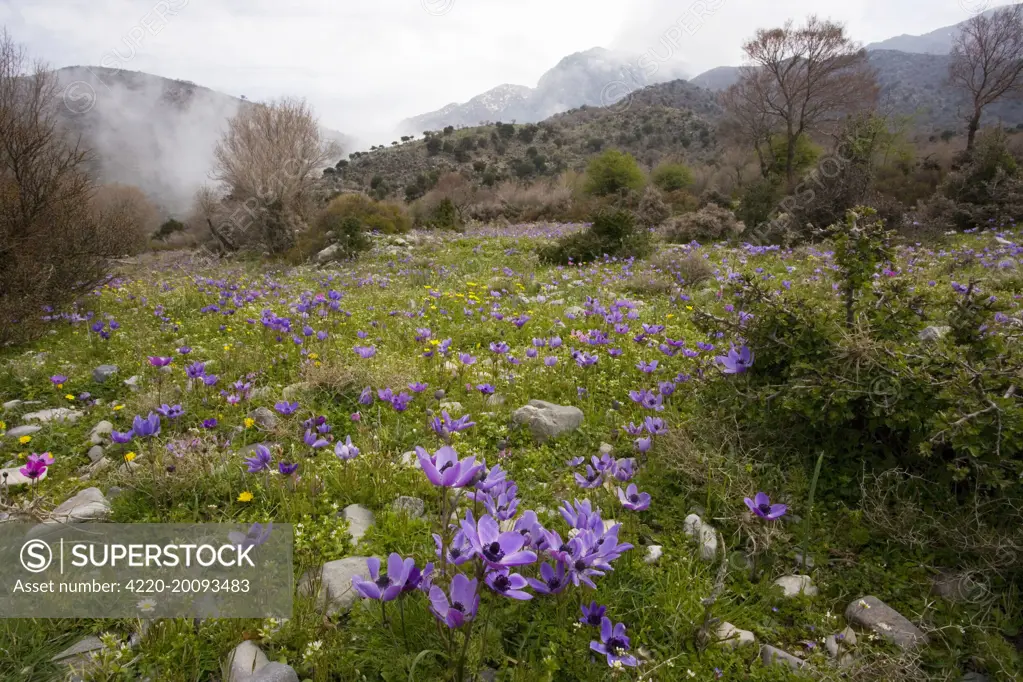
(660, 603)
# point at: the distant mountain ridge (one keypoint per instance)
(587, 78)
(152, 132)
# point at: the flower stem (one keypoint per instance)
(404, 633)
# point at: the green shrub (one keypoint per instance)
(670, 177)
(613, 234)
(374, 216)
(445, 216)
(171, 226)
(613, 172)
(759, 202)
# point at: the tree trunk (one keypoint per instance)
(971, 131)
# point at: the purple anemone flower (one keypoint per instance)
(459, 549)
(418, 387)
(614, 644)
(157, 361)
(315, 442)
(593, 614)
(145, 428)
(256, 535)
(498, 550)
(762, 507)
(171, 411)
(366, 397)
(196, 370)
(632, 499)
(58, 380)
(384, 586)
(210, 423)
(463, 603)
(260, 461)
(287, 468)
(737, 361)
(34, 468)
(365, 352)
(285, 408)
(122, 438)
(346, 451)
(444, 469)
(508, 584)
(553, 579)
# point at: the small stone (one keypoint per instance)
(807, 563)
(95, 453)
(409, 458)
(794, 585)
(933, 333)
(770, 655)
(290, 393)
(26, 430)
(439, 394)
(703, 533)
(246, 660)
(13, 478)
(264, 417)
(606, 448)
(844, 641)
(11, 405)
(495, 400)
(55, 414)
(87, 505)
(574, 311)
(360, 519)
(548, 420)
(653, 553)
(113, 491)
(410, 506)
(728, 635)
(104, 372)
(974, 677)
(958, 587)
(82, 646)
(275, 672)
(328, 254)
(873, 614)
(100, 433)
(335, 594)
(132, 383)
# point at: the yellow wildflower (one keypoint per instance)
(118, 407)
(313, 356)
(249, 421)
(129, 456)
(245, 496)
(25, 439)
(69, 396)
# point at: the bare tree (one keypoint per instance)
(268, 162)
(797, 80)
(987, 62)
(51, 245)
(128, 212)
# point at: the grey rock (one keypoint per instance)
(495, 400)
(606, 448)
(264, 417)
(409, 458)
(12, 477)
(275, 672)
(25, 430)
(104, 372)
(260, 393)
(728, 635)
(335, 594)
(873, 614)
(82, 646)
(290, 393)
(328, 254)
(933, 333)
(95, 453)
(704, 534)
(844, 641)
(100, 432)
(11, 405)
(133, 382)
(974, 677)
(653, 553)
(411, 506)
(770, 655)
(246, 659)
(808, 562)
(958, 587)
(575, 311)
(360, 519)
(794, 585)
(547, 420)
(113, 491)
(86, 505)
(55, 414)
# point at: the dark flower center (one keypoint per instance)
(383, 581)
(593, 619)
(445, 467)
(554, 582)
(634, 498)
(457, 606)
(580, 565)
(765, 508)
(493, 552)
(454, 552)
(501, 583)
(616, 646)
(565, 548)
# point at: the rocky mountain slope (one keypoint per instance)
(668, 121)
(938, 41)
(152, 132)
(581, 79)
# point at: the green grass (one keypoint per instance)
(700, 464)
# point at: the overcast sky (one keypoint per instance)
(366, 65)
